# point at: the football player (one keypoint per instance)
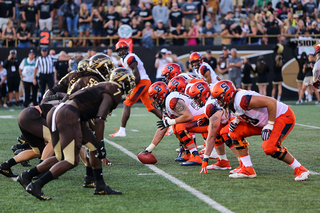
(203, 69)
(217, 122)
(258, 115)
(32, 120)
(178, 112)
(64, 121)
(132, 62)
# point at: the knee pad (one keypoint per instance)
(240, 144)
(280, 153)
(228, 142)
(218, 141)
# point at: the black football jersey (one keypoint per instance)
(89, 98)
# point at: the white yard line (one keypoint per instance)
(312, 127)
(174, 180)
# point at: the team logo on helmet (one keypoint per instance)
(125, 78)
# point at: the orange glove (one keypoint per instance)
(204, 166)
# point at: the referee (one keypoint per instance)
(44, 66)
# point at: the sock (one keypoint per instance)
(246, 160)
(122, 129)
(278, 98)
(193, 149)
(89, 171)
(46, 178)
(11, 162)
(195, 153)
(223, 157)
(98, 176)
(33, 172)
(294, 164)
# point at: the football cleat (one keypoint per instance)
(202, 146)
(201, 152)
(21, 139)
(236, 170)
(118, 134)
(7, 172)
(24, 179)
(88, 182)
(36, 191)
(301, 173)
(193, 161)
(213, 155)
(26, 164)
(184, 158)
(245, 172)
(221, 164)
(105, 190)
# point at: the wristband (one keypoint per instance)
(171, 121)
(150, 147)
(271, 122)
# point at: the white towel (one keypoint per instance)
(54, 128)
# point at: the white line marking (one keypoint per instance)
(134, 130)
(313, 127)
(174, 180)
(184, 173)
(314, 173)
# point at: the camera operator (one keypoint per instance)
(162, 58)
(13, 76)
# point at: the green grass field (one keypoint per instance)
(273, 190)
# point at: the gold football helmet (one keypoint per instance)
(125, 78)
(102, 64)
(83, 65)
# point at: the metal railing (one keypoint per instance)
(157, 39)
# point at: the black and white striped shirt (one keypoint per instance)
(45, 65)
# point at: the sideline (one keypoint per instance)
(174, 180)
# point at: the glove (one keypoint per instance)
(165, 123)
(266, 131)
(204, 166)
(316, 84)
(102, 153)
(203, 121)
(181, 150)
(145, 151)
(233, 124)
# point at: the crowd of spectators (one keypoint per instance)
(176, 22)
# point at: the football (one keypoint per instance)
(147, 158)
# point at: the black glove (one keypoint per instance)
(102, 153)
(203, 121)
(181, 150)
(162, 124)
(145, 151)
